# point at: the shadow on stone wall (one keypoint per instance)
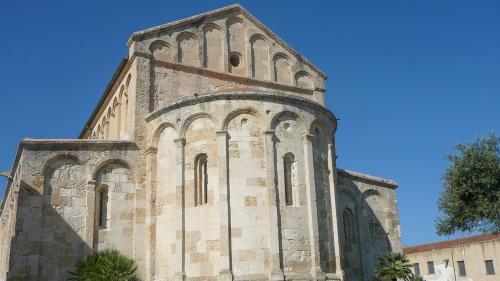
(359, 257)
(42, 253)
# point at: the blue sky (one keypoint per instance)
(408, 79)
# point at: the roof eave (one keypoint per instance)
(115, 76)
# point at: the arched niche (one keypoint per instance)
(63, 217)
(115, 176)
(236, 38)
(304, 80)
(200, 139)
(164, 173)
(212, 47)
(188, 49)
(190, 119)
(282, 69)
(236, 113)
(161, 50)
(260, 57)
(288, 122)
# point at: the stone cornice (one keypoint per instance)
(86, 144)
(259, 96)
(367, 178)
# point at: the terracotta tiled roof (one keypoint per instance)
(451, 243)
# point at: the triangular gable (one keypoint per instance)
(201, 18)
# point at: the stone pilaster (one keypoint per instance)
(332, 178)
(180, 210)
(150, 219)
(274, 221)
(223, 204)
(312, 209)
(90, 219)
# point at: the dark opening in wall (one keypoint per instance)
(234, 60)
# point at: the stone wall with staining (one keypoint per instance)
(321, 137)
(230, 176)
(8, 221)
(220, 53)
(290, 131)
(246, 227)
(63, 217)
(202, 232)
(248, 194)
(55, 211)
(115, 202)
(369, 223)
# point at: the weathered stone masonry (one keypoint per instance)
(210, 156)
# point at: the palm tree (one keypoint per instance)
(393, 266)
(108, 265)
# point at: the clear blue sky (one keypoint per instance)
(408, 79)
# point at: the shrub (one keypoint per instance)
(108, 265)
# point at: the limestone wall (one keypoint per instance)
(8, 218)
(55, 212)
(368, 222)
(221, 52)
(245, 228)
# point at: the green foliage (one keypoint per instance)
(470, 199)
(107, 265)
(417, 278)
(393, 266)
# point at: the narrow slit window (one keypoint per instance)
(201, 180)
(288, 167)
(461, 268)
(348, 223)
(102, 207)
(490, 269)
(430, 267)
(416, 269)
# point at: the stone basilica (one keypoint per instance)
(210, 156)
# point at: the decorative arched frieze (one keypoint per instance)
(212, 47)
(282, 69)
(192, 118)
(158, 131)
(129, 77)
(370, 192)
(103, 164)
(188, 51)
(70, 158)
(260, 57)
(160, 50)
(304, 79)
(235, 113)
(287, 114)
